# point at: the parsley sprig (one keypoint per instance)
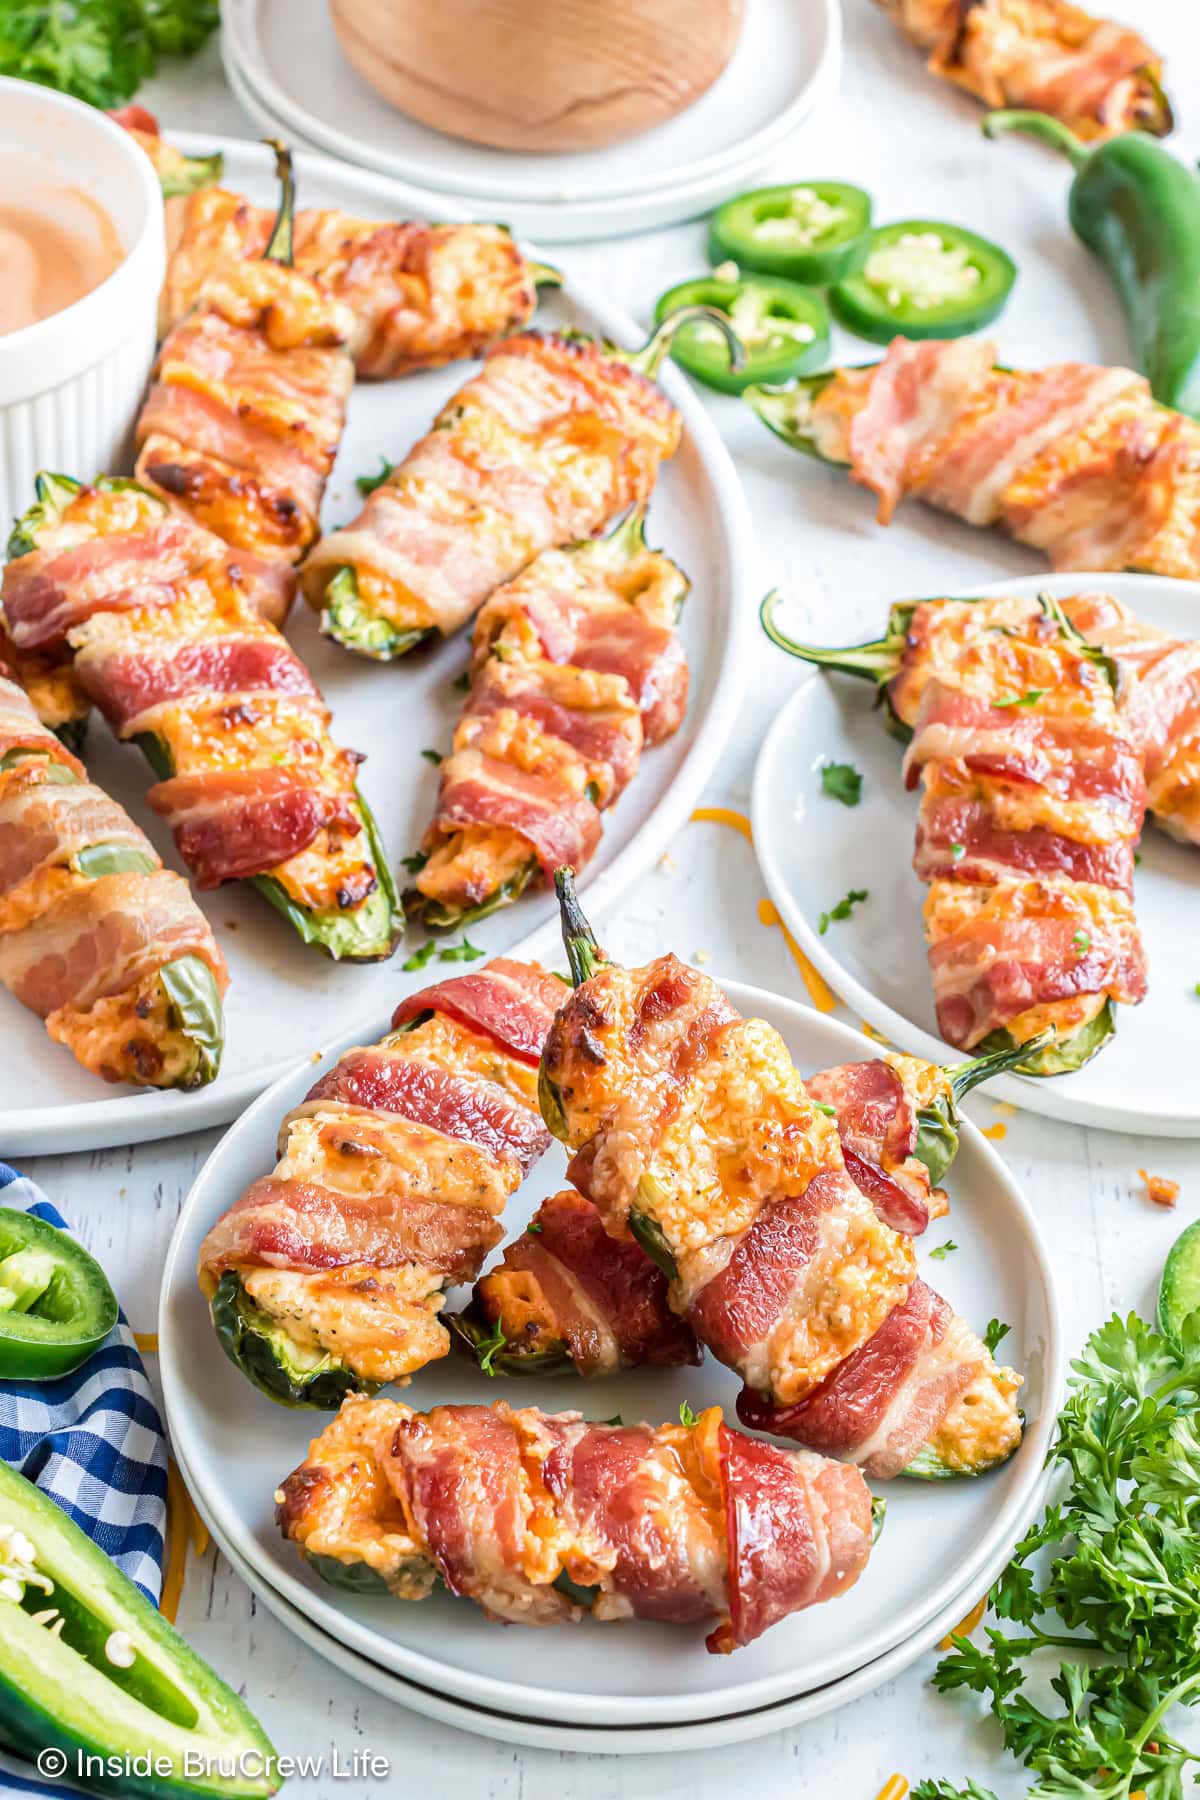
(841, 781)
(1108, 1584)
(842, 910)
(99, 50)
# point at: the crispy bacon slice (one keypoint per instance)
(512, 1002)
(1097, 77)
(391, 1174)
(877, 1125)
(676, 1524)
(552, 438)
(135, 682)
(480, 790)
(915, 395)
(231, 824)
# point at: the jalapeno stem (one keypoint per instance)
(877, 661)
(967, 1075)
(649, 359)
(584, 955)
(281, 244)
(1041, 126)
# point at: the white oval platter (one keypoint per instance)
(938, 1542)
(283, 59)
(284, 997)
(1143, 1080)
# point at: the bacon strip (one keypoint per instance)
(290, 1224)
(512, 1002)
(231, 824)
(480, 790)
(915, 395)
(877, 1125)
(472, 1109)
(131, 683)
(45, 823)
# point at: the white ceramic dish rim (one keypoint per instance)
(142, 1117)
(239, 35)
(1042, 1097)
(1004, 1528)
(614, 1740)
(53, 350)
(557, 221)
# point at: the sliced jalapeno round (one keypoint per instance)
(810, 231)
(783, 327)
(921, 279)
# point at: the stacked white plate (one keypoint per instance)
(285, 66)
(637, 1687)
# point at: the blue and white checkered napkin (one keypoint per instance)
(94, 1442)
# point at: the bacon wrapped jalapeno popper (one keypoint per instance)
(567, 1296)
(555, 435)
(576, 665)
(169, 646)
(539, 1517)
(1158, 686)
(248, 400)
(329, 1273)
(1076, 461)
(96, 937)
(694, 1134)
(421, 295)
(1097, 77)
(1032, 805)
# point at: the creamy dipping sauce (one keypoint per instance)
(56, 245)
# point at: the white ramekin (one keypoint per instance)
(70, 385)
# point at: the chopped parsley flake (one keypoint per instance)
(943, 1250)
(1081, 941)
(957, 852)
(686, 1415)
(842, 781)
(842, 910)
(366, 484)
(995, 1335)
(414, 863)
(1030, 697)
(464, 952)
(421, 957)
(433, 756)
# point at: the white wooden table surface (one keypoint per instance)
(915, 144)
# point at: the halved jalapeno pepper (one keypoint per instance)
(55, 1302)
(811, 231)
(784, 329)
(921, 279)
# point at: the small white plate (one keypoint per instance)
(285, 55)
(284, 997)
(606, 1740)
(938, 1542)
(812, 850)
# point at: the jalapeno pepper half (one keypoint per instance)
(55, 1302)
(813, 231)
(921, 279)
(784, 329)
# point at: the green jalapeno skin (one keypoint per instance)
(349, 621)
(59, 1690)
(752, 230)
(1137, 208)
(879, 306)
(495, 1354)
(56, 1305)
(256, 1344)
(784, 328)
(191, 173)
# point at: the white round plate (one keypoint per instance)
(937, 1543)
(284, 996)
(610, 1740)
(285, 53)
(1143, 1079)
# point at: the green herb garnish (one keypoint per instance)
(414, 863)
(842, 781)
(366, 484)
(943, 1251)
(1081, 941)
(1108, 1584)
(421, 957)
(464, 952)
(488, 1348)
(687, 1416)
(995, 1335)
(433, 756)
(1030, 697)
(957, 852)
(842, 910)
(99, 50)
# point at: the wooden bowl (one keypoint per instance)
(539, 74)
